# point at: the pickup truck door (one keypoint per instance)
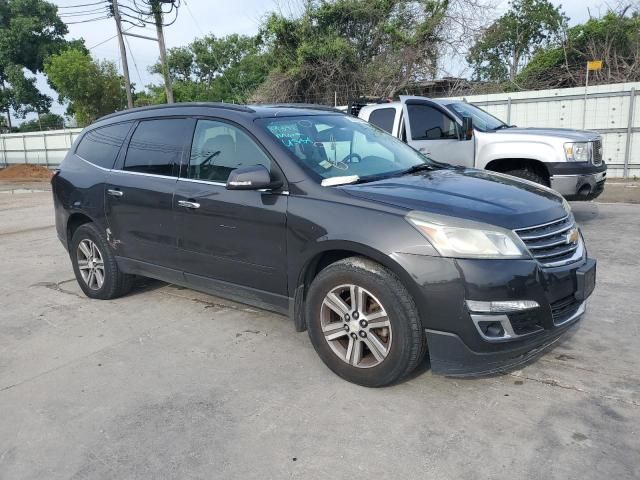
(433, 131)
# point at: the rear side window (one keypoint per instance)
(156, 146)
(101, 146)
(383, 118)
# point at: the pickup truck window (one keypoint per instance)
(383, 118)
(340, 145)
(429, 123)
(482, 120)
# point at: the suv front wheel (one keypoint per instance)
(363, 323)
(95, 265)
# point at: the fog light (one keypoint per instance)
(503, 306)
(492, 329)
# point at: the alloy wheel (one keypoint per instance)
(90, 264)
(356, 326)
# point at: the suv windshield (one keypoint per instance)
(342, 146)
(482, 120)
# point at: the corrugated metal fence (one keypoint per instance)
(40, 148)
(613, 110)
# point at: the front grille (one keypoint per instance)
(524, 323)
(596, 155)
(554, 243)
(564, 308)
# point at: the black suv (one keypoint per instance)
(379, 252)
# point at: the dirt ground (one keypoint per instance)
(25, 173)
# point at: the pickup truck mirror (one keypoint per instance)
(254, 177)
(467, 128)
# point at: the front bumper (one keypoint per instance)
(578, 181)
(456, 345)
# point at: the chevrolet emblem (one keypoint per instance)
(572, 236)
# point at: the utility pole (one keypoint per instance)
(123, 53)
(157, 15)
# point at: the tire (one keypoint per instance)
(530, 175)
(400, 349)
(86, 259)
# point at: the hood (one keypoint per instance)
(564, 133)
(471, 194)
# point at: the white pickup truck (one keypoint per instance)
(459, 133)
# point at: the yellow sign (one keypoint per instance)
(594, 65)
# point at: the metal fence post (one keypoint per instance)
(4, 151)
(508, 110)
(24, 147)
(627, 149)
(46, 149)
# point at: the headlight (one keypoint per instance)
(577, 152)
(466, 239)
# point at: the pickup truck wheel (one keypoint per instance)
(95, 265)
(363, 323)
(530, 175)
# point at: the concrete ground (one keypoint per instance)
(171, 383)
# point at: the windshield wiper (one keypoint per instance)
(504, 125)
(418, 168)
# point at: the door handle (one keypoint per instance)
(115, 193)
(186, 204)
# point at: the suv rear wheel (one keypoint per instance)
(363, 323)
(95, 265)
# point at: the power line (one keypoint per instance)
(133, 59)
(89, 20)
(82, 5)
(79, 14)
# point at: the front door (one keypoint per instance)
(230, 236)
(139, 195)
(432, 131)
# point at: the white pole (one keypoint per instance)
(584, 106)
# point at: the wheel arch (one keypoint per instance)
(74, 221)
(331, 252)
(504, 165)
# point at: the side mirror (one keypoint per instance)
(255, 177)
(467, 128)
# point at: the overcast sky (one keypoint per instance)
(199, 17)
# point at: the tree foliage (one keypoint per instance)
(352, 47)
(613, 38)
(46, 121)
(30, 31)
(505, 47)
(93, 88)
(228, 68)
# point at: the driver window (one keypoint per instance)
(429, 123)
(218, 148)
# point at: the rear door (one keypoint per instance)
(139, 194)
(431, 130)
(233, 236)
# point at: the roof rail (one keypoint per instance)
(228, 106)
(310, 106)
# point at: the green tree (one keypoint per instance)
(613, 38)
(30, 31)
(353, 47)
(46, 121)
(507, 44)
(93, 88)
(224, 69)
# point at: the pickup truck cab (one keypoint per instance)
(459, 133)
